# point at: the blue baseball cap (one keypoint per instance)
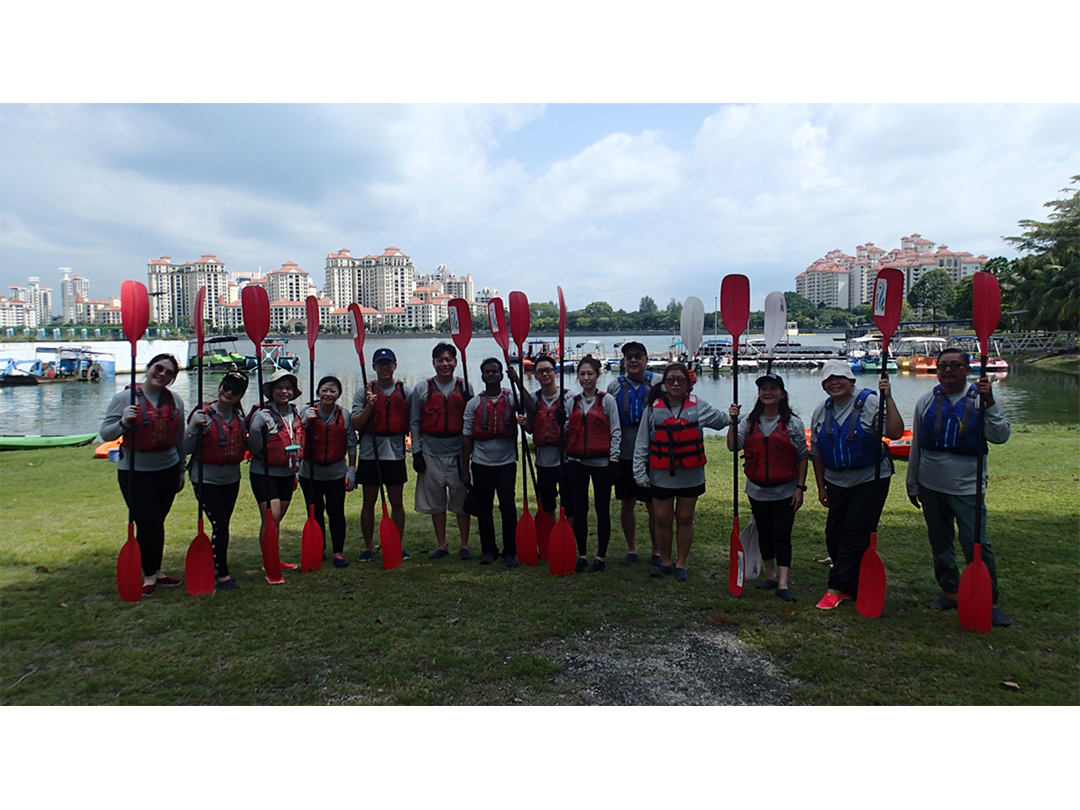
(383, 354)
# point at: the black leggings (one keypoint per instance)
(487, 481)
(853, 513)
(150, 503)
(774, 521)
(578, 476)
(218, 501)
(328, 497)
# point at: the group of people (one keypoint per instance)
(641, 437)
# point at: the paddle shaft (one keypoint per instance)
(374, 438)
(983, 359)
(735, 396)
(881, 430)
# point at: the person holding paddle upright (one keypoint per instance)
(773, 441)
(542, 421)
(436, 416)
(631, 391)
(224, 440)
(276, 462)
(324, 475)
(941, 478)
(844, 440)
(381, 413)
(669, 458)
(153, 428)
(490, 443)
(593, 441)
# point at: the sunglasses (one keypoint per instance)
(952, 366)
(675, 381)
(544, 370)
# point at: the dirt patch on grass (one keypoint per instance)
(693, 668)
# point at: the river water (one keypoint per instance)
(1028, 395)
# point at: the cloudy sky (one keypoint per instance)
(612, 201)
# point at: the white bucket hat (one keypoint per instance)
(836, 368)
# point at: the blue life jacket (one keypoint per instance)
(953, 428)
(631, 400)
(850, 445)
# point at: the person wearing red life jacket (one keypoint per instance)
(382, 410)
(279, 420)
(773, 441)
(490, 443)
(224, 442)
(593, 441)
(544, 409)
(669, 458)
(154, 428)
(324, 475)
(844, 438)
(436, 416)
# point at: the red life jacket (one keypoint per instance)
(390, 415)
(676, 441)
(327, 440)
(545, 428)
(770, 460)
(588, 435)
(494, 419)
(223, 442)
(442, 416)
(276, 452)
(159, 428)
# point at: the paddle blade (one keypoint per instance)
(737, 558)
(692, 325)
(562, 323)
(975, 596)
(561, 547)
(497, 319)
(986, 308)
(735, 304)
(871, 597)
(199, 565)
(312, 304)
(390, 541)
(200, 309)
(775, 319)
(134, 316)
(525, 536)
(129, 576)
(311, 544)
(460, 323)
(888, 302)
(268, 545)
(519, 318)
(358, 332)
(544, 524)
(255, 306)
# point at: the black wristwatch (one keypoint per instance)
(801, 486)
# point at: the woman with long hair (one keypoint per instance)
(153, 429)
(773, 441)
(669, 458)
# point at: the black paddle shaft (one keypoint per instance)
(983, 359)
(880, 436)
(374, 438)
(735, 396)
(199, 498)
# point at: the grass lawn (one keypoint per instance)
(449, 632)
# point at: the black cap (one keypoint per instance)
(776, 378)
(630, 345)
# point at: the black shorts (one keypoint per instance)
(393, 472)
(663, 493)
(626, 488)
(279, 488)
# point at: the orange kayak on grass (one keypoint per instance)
(898, 448)
(102, 450)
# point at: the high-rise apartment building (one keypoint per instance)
(73, 288)
(173, 288)
(38, 296)
(382, 282)
(290, 283)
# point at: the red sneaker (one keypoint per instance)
(829, 601)
(164, 580)
(288, 566)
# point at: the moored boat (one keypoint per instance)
(38, 442)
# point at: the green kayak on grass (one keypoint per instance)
(34, 442)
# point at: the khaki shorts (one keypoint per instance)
(443, 473)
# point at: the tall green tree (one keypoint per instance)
(647, 304)
(933, 291)
(1042, 289)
